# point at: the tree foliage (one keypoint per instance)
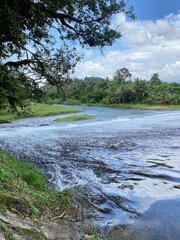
(36, 35)
(155, 79)
(99, 90)
(121, 75)
(16, 90)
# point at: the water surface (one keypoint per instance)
(119, 164)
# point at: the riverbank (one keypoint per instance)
(36, 110)
(137, 106)
(43, 110)
(126, 105)
(147, 106)
(28, 208)
(25, 199)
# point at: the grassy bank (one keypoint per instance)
(140, 106)
(147, 106)
(24, 193)
(75, 118)
(23, 188)
(37, 110)
(174, 107)
(126, 105)
(137, 106)
(42, 110)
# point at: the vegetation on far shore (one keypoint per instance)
(42, 110)
(120, 91)
(75, 118)
(36, 110)
(125, 105)
(141, 106)
(174, 107)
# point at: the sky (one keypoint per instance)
(149, 44)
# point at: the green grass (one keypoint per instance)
(75, 118)
(92, 237)
(6, 231)
(174, 107)
(48, 110)
(139, 106)
(37, 110)
(21, 180)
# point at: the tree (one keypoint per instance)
(124, 94)
(121, 75)
(16, 90)
(27, 44)
(141, 89)
(155, 80)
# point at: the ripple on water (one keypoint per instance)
(118, 164)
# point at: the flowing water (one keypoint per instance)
(124, 168)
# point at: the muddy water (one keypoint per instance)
(124, 167)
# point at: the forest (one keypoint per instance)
(121, 89)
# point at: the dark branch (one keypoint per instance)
(19, 63)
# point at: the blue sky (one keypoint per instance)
(149, 44)
(154, 9)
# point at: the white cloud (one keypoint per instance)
(172, 70)
(90, 66)
(150, 47)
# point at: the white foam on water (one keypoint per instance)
(78, 177)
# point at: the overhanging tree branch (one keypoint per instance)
(25, 34)
(17, 64)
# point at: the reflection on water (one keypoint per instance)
(121, 165)
(160, 221)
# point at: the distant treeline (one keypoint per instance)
(121, 89)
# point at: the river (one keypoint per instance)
(124, 167)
